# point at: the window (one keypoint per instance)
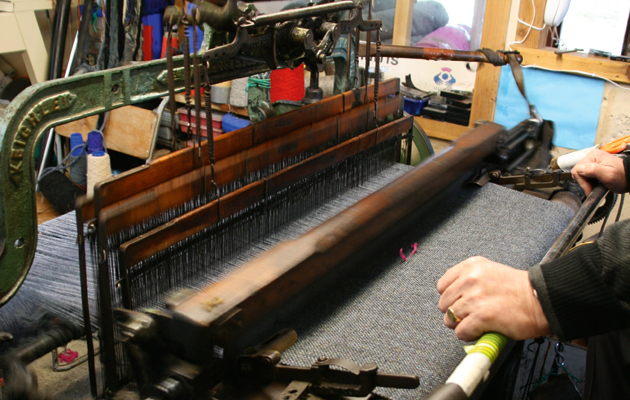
(597, 25)
(446, 24)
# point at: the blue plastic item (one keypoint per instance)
(415, 106)
(94, 142)
(231, 123)
(155, 20)
(76, 139)
(154, 6)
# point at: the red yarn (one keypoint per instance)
(174, 44)
(287, 84)
(414, 248)
(147, 49)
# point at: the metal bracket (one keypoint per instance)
(530, 180)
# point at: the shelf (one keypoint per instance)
(441, 130)
(241, 111)
(18, 25)
(546, 57)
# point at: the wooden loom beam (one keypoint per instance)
(275, 279)
(180, 162)
(195, 221)
(174, 192)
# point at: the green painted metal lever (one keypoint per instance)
(30, 114)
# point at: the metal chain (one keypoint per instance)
(368, 47)
(377, 74)
(356, 58)
(355, 86)
(186, 49)
(208, 101)
(169, 77)
(197, 86)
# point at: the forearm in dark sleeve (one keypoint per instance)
(626, 168)
(587, 291)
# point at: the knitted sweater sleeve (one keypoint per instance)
(587, 291)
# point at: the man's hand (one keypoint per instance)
(490, 297)
(602, 166)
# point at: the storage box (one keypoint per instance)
(415, 106)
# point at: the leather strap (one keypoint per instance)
(517, 72)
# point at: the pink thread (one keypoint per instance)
(68, 356)
(414, 248)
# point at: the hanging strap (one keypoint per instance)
(517, 73)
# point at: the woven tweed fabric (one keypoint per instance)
(386, 310)
(53, 282)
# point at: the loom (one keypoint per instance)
(198, 258)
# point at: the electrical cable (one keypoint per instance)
(573, 71)
(623, 196)
(530, 26)
(530, 376)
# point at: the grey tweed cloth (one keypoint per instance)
(386, 310)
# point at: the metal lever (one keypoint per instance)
(344, 378)
(531, 179)
(350, 380)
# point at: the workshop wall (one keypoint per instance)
(45, 22)
(614, 115)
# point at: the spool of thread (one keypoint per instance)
(94, 142)
(287, 84)
(221, 92)
(568, 161)
(78, 160)
(99, 169)
(238, 93)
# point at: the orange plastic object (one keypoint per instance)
(617, 146)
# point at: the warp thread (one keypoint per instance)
(99, 169)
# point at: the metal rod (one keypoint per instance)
(313, 11)
(569, 235)
(426, 53)
(85, 302)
